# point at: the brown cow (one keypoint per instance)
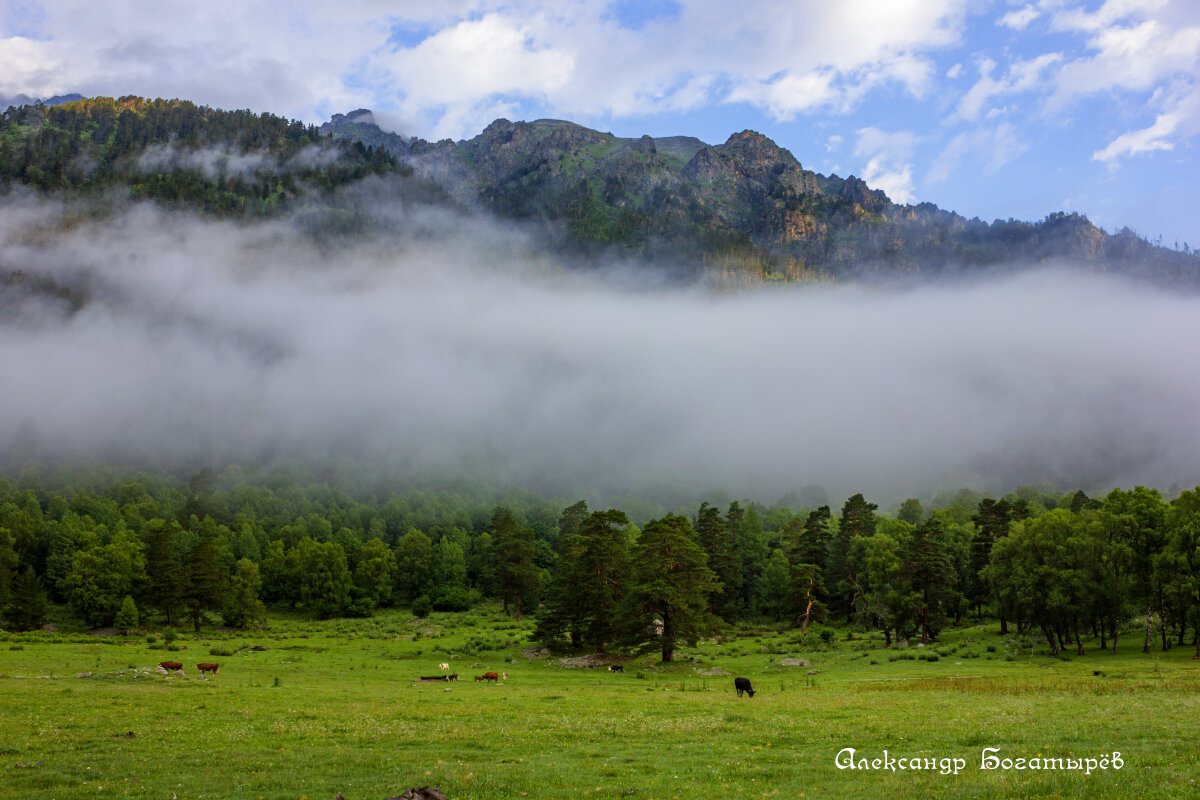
(488, 676)
(207, 668)
(452, 677)
(171, 666)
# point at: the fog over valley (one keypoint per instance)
(446, 345)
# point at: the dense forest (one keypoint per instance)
(219, 549)
(230, 163)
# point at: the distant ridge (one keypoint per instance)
(26, 100)
(745, 209)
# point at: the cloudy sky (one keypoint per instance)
(993, 108)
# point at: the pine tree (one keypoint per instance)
(712, 534)
(669, 596)
(512, 546)
(992, 522)
(27, 606)
(930, 574)
(857, 520)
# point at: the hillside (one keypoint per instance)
(746, 208)
(742, 212)
(173, 151)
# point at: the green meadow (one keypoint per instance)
(333, 706)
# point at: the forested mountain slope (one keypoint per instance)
(745, 211)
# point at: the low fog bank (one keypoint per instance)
(447, 346)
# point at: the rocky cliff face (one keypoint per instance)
(746, 202)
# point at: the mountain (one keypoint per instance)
(742, 212)
(745, 209)
(26, 100)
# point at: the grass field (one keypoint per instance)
(331, 706)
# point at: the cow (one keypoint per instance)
(488, 676)
(616, 667)
(743, 685)
(452, 676)
(207, 668)
(171, 666)
(444, 667)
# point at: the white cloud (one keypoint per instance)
(791, 94)
(1142, 141)
(1022, 76)
(1019, 20)
(1148, 51)
(888, 164)
(307, 58)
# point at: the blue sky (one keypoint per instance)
(992, 108)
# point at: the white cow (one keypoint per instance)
(444, 667)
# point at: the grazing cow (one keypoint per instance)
(444, 667)
(207, 668)
(616, 667)
(171, 666)
(743, 685)
(488, 676)
(452, 676)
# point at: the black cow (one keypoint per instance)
(743, 685)
(616, 668)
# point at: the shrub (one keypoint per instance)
(421, 607)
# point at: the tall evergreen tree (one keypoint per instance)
(167, 580)
(815, 547)
(929, 573)
(27, 604)
(669, 596)
(206, 579)
(712, 534)
(857, 521)
(601, 575)
(992, 520)
(516, 575)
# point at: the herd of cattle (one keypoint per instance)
(742, 685)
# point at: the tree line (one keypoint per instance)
(222, 548)
(94, 145)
